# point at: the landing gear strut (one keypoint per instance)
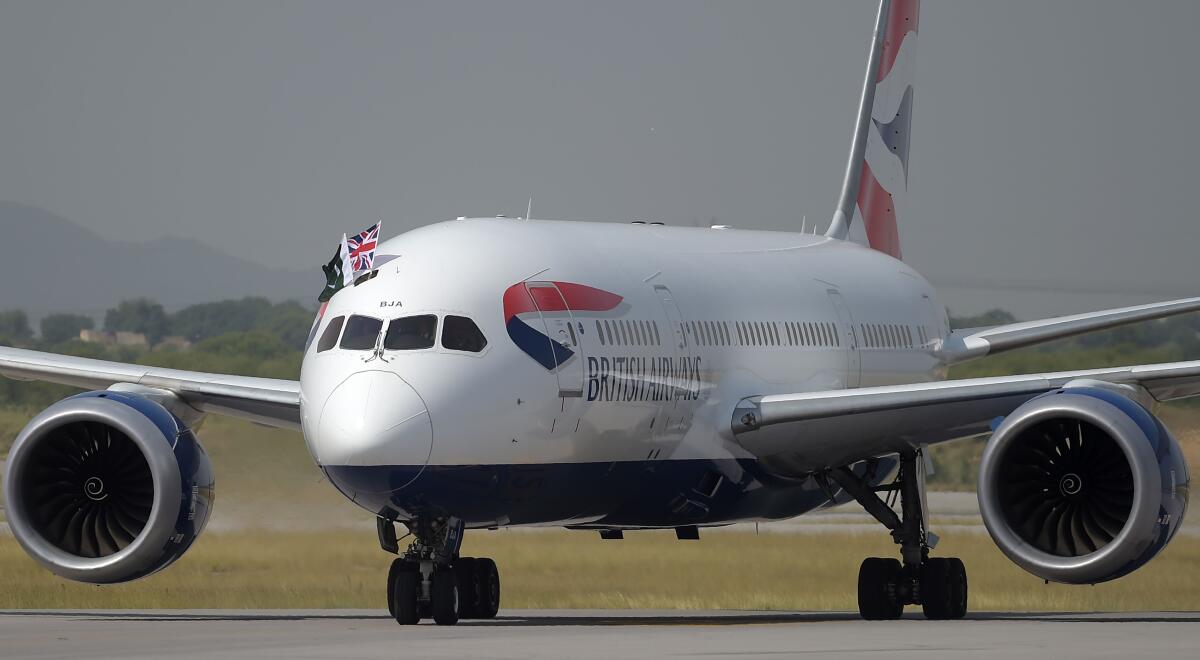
(885, 586)
(430, 580)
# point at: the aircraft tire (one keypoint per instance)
(944, 588)
(444, 594)
(466, 569)
(391, 587)
(405, 585)
(488, 579)
(877, 578)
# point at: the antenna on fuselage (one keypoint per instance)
(529, 209)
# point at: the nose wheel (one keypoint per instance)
(428, 582)
(885, 586)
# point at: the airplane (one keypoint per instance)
(500, 372)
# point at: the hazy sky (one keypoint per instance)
(1054, 144)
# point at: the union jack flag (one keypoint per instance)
(362, 248)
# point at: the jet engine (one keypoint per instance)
(107, 487)
(1082, 485)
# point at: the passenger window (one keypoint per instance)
(361, 333)
(330, 336)
(657, 338)
(412, 333)
(600, 332)
(460, 333)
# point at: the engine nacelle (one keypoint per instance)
(107, 487)
(1082, 485)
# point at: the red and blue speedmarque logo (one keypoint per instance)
(524, 301)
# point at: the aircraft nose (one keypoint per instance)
(374, 418)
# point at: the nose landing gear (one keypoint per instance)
(430, 580)
(885, 586)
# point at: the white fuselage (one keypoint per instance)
(660, 332)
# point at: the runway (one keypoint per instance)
(578, 634)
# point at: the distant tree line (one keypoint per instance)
(255, 337)
(289, 321)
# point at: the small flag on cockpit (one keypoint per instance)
(362, 248)
(336, 271)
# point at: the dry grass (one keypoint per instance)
(313, 561)
(562, 569)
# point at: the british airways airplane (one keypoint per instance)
(496, 372)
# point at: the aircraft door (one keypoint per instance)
(564, 331)
(676, 339)
(680, 345)
(936, 323)
(849, 338)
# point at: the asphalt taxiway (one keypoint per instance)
(578, 634)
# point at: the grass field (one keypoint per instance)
(320, 551)
(563, 569)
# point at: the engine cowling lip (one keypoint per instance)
(158, 451)
(1109, 560)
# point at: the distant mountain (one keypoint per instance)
(49, 264)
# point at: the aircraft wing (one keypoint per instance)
(812, 430)
(963, 345)
(264, 400)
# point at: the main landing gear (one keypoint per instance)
(430, 580)
(885, 586)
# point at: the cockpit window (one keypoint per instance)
(411, 333)
(361, 333)
(460, 333)
(330, 336)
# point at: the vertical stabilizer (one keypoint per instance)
(876, 177)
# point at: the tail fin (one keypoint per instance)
(877, 172)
